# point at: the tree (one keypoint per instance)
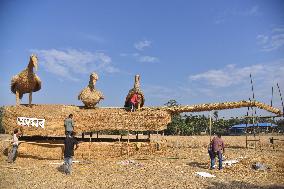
(215, 114)
(171, 102)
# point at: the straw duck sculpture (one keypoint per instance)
(26, 81)
(89, 95)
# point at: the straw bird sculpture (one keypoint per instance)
(135, 89)
(89, 95)
(26, 81)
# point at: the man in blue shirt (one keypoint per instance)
(69, 125)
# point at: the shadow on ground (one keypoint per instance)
(198, 164)
(242, 185)
(61, 169)
(35, 157)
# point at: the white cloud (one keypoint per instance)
(141, 45)
(223, 16)
(150, 59)
(253, 11)
(69, 63)
(272, 41)
(160, 92)
(141, 58)
(232, 75)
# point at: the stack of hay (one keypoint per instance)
(85, 119)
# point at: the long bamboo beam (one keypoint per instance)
(217, 106)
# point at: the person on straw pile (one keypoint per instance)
(134, 101)
(13, 154)
(69, 125)
(69, 144)
(216, 148)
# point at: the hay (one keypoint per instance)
(86, 150)
(146, 119)
(89, 95)
(85, 119)
(219, 106)
(26, 81)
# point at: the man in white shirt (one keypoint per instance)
(12, 156)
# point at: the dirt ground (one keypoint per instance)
(173, 166)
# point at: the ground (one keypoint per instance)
(174, 166)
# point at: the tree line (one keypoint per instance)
(184, 124)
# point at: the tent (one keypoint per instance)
(242, 127)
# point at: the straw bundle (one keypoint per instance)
(85, 119)
(86, 150)
(219, 106)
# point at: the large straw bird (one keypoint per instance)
(26, 81)
(89, 95)
(136, 89)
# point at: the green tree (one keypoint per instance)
(216, 115)
(171, 102)
(175, 127)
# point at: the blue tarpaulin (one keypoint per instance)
(242, 126)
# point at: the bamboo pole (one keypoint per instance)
(128, 144)
(90, 142)
(210, 126)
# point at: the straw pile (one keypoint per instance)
(176, 167)
(85, 119)
(86, 150)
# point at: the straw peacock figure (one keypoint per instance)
(136, 89)
(89, 95)
(26, 81)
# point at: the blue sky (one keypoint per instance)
(191, 51)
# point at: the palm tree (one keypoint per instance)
(215, 114)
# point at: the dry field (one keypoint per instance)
(105, 165)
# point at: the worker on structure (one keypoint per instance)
(216, 149)
(69, 125)
(69, 144)
(13, 154)
(135, 101)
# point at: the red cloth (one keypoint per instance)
(217, 144)
(134, 99)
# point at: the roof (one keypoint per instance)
(240, 126)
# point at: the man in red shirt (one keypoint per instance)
(216, 149)
(134, 101)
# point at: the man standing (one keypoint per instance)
(217, 148)
(13, 154)
(69, 125)
(69, 144)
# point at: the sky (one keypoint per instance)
(191, 51)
